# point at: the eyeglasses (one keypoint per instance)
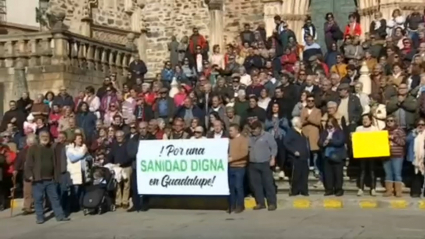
(310, 101)
(421, 124)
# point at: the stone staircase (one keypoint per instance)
(315, 186)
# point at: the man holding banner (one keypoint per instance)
(238, 159)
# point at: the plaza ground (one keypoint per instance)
(166, 223)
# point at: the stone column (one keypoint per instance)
(271, 8)
(60, 51)
(138, 25)
(20, 82)
(216, 23)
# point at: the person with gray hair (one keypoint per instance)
(39, 109)
(119, 155)
(326, 95)
(42, 170)
(19, 163)
(297, 147)
(364, 98)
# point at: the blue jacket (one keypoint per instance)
(410, 142)
(296, 142)
(282, 129)
(64, 101)
(336, 144)
(86, 121)
(167, 75)
(196, 111)
(330, 58)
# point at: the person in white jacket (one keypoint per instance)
(92, 100)
(76, 155)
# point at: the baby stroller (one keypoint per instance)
(98, 196)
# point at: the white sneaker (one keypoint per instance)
(373, 192)
(360, 193)
(282, 175)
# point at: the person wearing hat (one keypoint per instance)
(164, 106)
(349, 106)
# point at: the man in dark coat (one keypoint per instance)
(13, 115)
(64, 99)
(133, 146)
(297, 147)
(138, 69)
(43, 169)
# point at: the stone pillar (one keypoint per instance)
(365, 79)
(60, 51)
(138, 25)
(216, 23)
(20, 82)
(271, 8)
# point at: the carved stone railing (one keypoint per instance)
(65, 48)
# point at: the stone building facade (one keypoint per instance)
(153, 23)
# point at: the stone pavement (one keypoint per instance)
(176, 224)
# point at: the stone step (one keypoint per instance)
(316, 188)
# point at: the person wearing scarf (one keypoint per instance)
(415, 155)
(393, 165)
(367, 126)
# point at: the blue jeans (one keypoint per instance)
(236, 187)
(75, 197)
(64, 194)
(392, 168)
(49, 187)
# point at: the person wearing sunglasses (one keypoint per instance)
(198, 133)
(332, 145)
(393, 165)
(415, 142)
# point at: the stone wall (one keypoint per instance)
(166, 18)
(239, 12)
(112, 13)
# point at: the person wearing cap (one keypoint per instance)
(311, 49)
(64, 99)
(349, 106)
(164, 106)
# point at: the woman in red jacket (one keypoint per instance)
(288, 60)
(353, 28)
(7, 159)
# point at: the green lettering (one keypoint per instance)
(183, 166)
(151, 167)
(205, 165)
(220, 166)
(143, 165)
(193, 166)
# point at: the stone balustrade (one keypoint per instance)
(64, 48)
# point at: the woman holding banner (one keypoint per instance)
(332, 145)
(366, 163)
(415, 154)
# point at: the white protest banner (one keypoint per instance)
(183, 167)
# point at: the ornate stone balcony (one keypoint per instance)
(42, 61)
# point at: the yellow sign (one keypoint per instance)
(371, 144)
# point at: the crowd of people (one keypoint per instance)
(288, 109)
